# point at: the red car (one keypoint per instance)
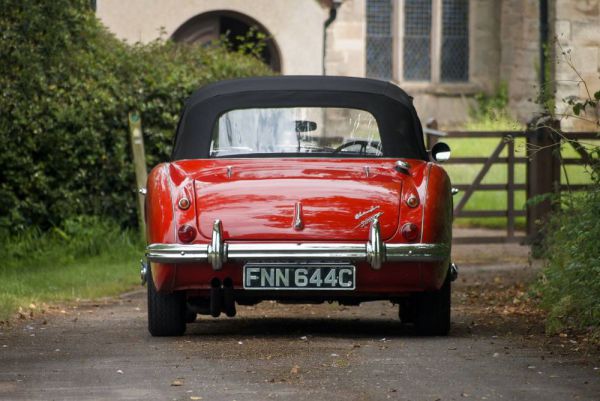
(299, 189)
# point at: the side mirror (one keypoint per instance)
(440, 152)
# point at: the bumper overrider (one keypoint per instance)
(375, 251)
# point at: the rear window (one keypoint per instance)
(296, 131)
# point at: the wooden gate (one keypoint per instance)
(543, 162)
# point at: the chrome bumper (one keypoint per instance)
(375, 251)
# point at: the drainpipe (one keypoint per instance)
(335, 4)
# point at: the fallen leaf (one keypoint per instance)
(295, 370)
(195, 397)
(177, 383)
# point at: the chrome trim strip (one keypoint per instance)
(177, 253)
(296, 251)
(298, 224)
(375, 251)
(416, 252)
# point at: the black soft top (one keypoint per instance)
(400, 128)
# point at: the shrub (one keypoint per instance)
(75, 239)
(570, 283)
(67, 86)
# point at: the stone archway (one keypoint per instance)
(206, 27)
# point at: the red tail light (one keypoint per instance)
(410, 231)
(186, 233)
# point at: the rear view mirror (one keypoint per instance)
(305, 126)
(440, 152)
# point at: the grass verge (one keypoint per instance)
(84, 259)
(497, 200)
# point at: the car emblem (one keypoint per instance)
(368, 221)
(361, 214)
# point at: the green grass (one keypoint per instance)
(497, 200)
(85, 259)
(493, 120)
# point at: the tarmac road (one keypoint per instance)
(291, 352)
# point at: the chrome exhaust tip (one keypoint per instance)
(143, 271)
(453, 271)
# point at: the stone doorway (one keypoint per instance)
(207, 27)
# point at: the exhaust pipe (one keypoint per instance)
(453, 271)
(216, 299)
(143, 271)
(228, 298)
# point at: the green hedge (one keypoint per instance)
(67, 86)
(570, 283)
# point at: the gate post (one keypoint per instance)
(543, 174)
(431, 140)
(139, 163)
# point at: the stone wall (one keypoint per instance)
(520, 43)
(577, 29)
(295, 25)
(346, 39)
(448, 103)
(504, 45)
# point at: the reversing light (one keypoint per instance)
(186, 233)
(410, 231)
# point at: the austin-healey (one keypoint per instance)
(299, 189)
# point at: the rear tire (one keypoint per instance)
(166, 312)
(433, 311)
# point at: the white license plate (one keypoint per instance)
(275, 276)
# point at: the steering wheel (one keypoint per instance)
(363, 146)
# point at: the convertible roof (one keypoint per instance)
(399, 126)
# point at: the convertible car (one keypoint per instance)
(300, 190)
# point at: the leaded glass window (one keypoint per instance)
(417, 40)
(455, 40)
(379, 39)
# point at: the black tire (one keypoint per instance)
(166, 312)
(433, 311)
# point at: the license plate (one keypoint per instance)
(264, 276)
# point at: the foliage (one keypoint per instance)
(75, 238)
(490, 112)
(570, 284)
(67, 86)
(83, 258)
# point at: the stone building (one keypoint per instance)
(442, 52)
